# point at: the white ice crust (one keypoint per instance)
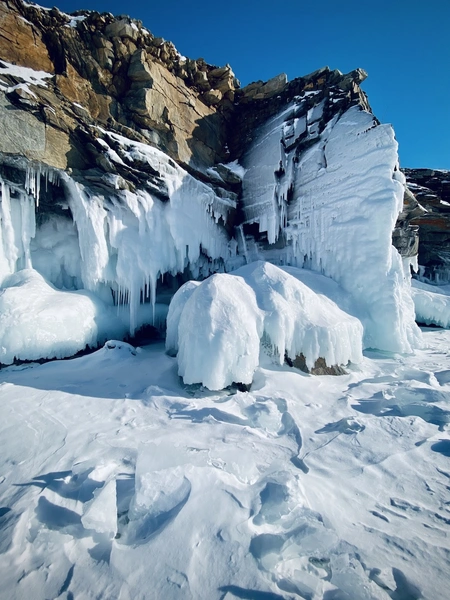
(219, 325)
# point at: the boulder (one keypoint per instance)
(122, 29)
(139, 71)
(212, 97)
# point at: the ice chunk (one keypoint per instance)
(39, 321)
(101, 513)
(219, 332)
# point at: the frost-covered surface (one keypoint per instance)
(219, 332)
(118, 482)
(220, 325)
(432, 303)
(337, 204)
(39, 321)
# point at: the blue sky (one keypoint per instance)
(402, 44)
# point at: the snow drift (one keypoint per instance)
(219, 325)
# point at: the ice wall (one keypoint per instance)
(335, 195)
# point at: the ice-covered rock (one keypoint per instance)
(173, 316)
(336, 203)
(297, 320)
(39, 321)
(221, 324)
(432, 304)
(219, 333)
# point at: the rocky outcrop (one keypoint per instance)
(111, 130)
(431, 188)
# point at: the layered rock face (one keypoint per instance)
(147, 168)
(431, 189)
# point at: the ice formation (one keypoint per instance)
(432, 303)
(37, 320)
(336, 204)
(218, 333)
(173, 316)
(127, 241)
(17, 228)
(219, 325)
(330, 207)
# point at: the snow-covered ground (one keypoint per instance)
(118, 481)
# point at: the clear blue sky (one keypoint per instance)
(402, 44)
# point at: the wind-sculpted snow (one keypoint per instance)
(117, 481)
(336, 203)
(39, 321)
(220, 324)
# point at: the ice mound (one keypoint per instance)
(39, 321)
(297, 320)
(219, 333)
(432, 304)
(219, 325)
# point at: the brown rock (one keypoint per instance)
(21, 43)
(212, 97)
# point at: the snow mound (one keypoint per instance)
(432, 306)
(219, 325)
(39, 321)
(219, 332)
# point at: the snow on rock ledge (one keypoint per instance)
(38, 321)
(219, 325)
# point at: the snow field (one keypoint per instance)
(127, 484)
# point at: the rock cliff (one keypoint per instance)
(136, 155)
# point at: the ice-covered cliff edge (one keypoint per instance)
(106, 188)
